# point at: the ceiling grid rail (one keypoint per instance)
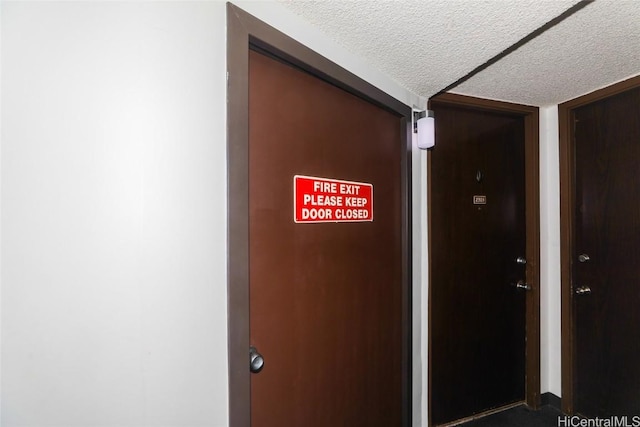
(526, 39)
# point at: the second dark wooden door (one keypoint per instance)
(606, 262)
(478, 232)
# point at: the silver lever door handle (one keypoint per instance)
(520, 284)
(256, 361)
(583, 290)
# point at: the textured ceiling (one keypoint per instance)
(428, 44)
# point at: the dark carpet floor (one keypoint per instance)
(520, 416)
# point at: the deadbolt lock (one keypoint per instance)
(583, 290)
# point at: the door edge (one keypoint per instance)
(567, 205)
(531, 116)
(245, 32)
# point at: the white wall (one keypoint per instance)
(114, 211)
(550, 304)
(420, 289)
(1, 133)
(113, 172)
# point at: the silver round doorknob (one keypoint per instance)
(256, 361)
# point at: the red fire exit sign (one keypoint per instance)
(331, 200)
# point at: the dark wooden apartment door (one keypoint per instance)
(478, 282)
(325, 297)
(606, 258)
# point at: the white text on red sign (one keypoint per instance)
(329, 200)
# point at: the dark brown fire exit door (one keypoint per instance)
(325, 298)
